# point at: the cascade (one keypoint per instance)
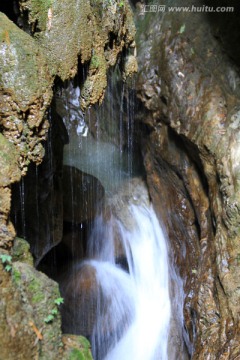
(118, 294)
(145, 288)
(128, 269)
(112, 262)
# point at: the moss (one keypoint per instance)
(16, 275)
(76, 348)
(23, 65)
(8, 162)
(76, 355)
(95, 62)
(35, 289)
(38, 12)
(38, 294)
(21, 251)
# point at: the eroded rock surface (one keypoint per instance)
(29, 63)
(190, 92)
(82, 195)
(95, 31)
(25, 92)
(30, 325)
(27, 298)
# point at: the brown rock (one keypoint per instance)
(82, 195)
(191, 158)
(80, 291)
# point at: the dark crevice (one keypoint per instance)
(164, 99)
(225, 27)
(10, 8)
(221, 286)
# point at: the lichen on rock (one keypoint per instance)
(25, 92)
(76, 347)
(9, 173)
(89, 30)
(27, 297)
(57, 43)
(21, 251)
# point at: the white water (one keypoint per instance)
(132, 303)
(134, 324)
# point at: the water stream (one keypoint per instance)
(138, 312)
(118, 294)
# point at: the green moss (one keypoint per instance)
(23, 67)
(36, 290)
(95, 62)
(38, 12)
(16, 275)
(76, 355)
(21, 251)
(78, 348)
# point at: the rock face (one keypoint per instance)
(112, 29)
(80, 291)
(82, 195)
(191, 157)
(30, 61)
(28, 298)
(9, 173)
(25, 92)
(37, 201)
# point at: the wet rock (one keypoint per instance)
(80, 291)
(112, 29)
(86, 309)
(27, 298)
(37, 201)
(21, 251)
(131, 192)
(25, 92)
(82, 195)
(116, 215)
(191, 160)
(76, 347)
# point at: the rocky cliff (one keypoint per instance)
(47, 42)
(189, 90)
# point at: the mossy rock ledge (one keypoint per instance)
(55, 43)
(27, 299)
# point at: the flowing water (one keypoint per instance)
(138, 311)
(118, 295)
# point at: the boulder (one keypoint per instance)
(27, 299)
(80, 291)
(82, 195)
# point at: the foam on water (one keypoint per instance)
(136, 322)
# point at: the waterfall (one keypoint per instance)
(117, 294)
(129, 288)
(141, 294)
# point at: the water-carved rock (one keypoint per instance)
(191, 159)
(82, 195)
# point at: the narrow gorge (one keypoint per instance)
(119, 184)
